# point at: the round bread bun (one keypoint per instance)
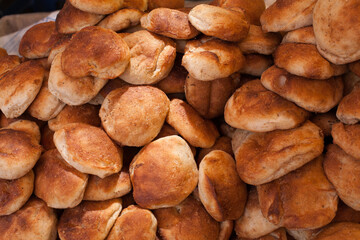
(122, 19)
(279, 200)
(221, 190)
(256, 64)
(134, 115)
(348, 110)
(336, 28)
(70, 90)
(304, 60)
(175, 81)
(190, 125)
(348, 138)
(152, 58)
(258, 41)
(252, 8)
(7, 63)
(174, 180)
(189, 220)
(287, 15)
(209, 97)
(70, 19)
(222, 143)
(301, 35)
(20, 151)
(86, 113)
(19, 87)
(98, 7)
(27, 126)
(355, 67)
(314, 95)
(252, 224)
(34, 220)
(263, 157)
(325, 121)
(209, 58)
(47, 138)
(95, 218)
(134, 223)
(254, 108)
(170, 23)
(142, 5)
(342, 230)
(88, 149)
(152, 4)
(95, 51)
(113, 186)
(15, 193)
(57, 183)
(343, 170)
(38, 40)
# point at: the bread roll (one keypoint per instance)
(98, 7)
(344, 230)
(26, 126)
(348, 110)
(122, 19)
(301, 35)
(7, 63)
(347, 137)
(252, 8)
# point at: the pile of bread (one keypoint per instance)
(148, 120)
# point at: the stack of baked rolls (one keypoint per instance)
(148, 119)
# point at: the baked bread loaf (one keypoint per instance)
(26, 126)
(98, 7)
(347, 137)
(7, 63)
(122, 19)
(300, 35)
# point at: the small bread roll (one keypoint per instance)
(134, 223)
(175, 180)
(287, 15)
(355, 67)
(343, 170)
(254, 108)
(95, 218)
(252, 8)
(263, 157)
(252, 224)
(348, 138)
(34, 220)
(256, 64)
(314, 95)
(70, 90)
(134, 115)
(19, 87)
(7, 63)
(38, 40)
(27, 126)
(170, 23)
(122, 19)
(221, 190)
(88, 149)
(189, 124)
(304, 60)
(15, 193)
(208, 58)
(113, 186)
(86, 113)
(98, 7)
(95, 51)
(258, 41)
(343, 230)
(152, 58)
(57, 183)
(209, 97)
(325, 121)
(223, 143)
(152, 4)
(303, 198)
(175, 81)
(336, 28)
(348, 110)
(189, 220)
(142, 5)
(301, 35)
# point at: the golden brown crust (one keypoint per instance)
(174, 180)
(19, 87)
(209, 97)
(95, 51)
(15, 193)
(57, 183)
(26, 126)
(311, 94)
(303, 198)
(142, 5)
(7, 63)
(152, 4)
(38, 40)
(209, 58)
(175, 81)
(304, 60)
(348, 138)
(71, 19)
(337, 30)
(134, 115)
(33, 221)
(221, 190)
(96, 6)
(252, 8)
(122, 19)
(170, 23)
(256, 64)
(189, 124)
(348, 110)
(95, 219)
(301, 35)
(88, 149)
(230, 24)
(263, 157)
(223, 143)
(189, 220)
(287, 15)
(134, 223)
(254, 108)
(344, 230)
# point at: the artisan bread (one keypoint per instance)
(98, 7)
